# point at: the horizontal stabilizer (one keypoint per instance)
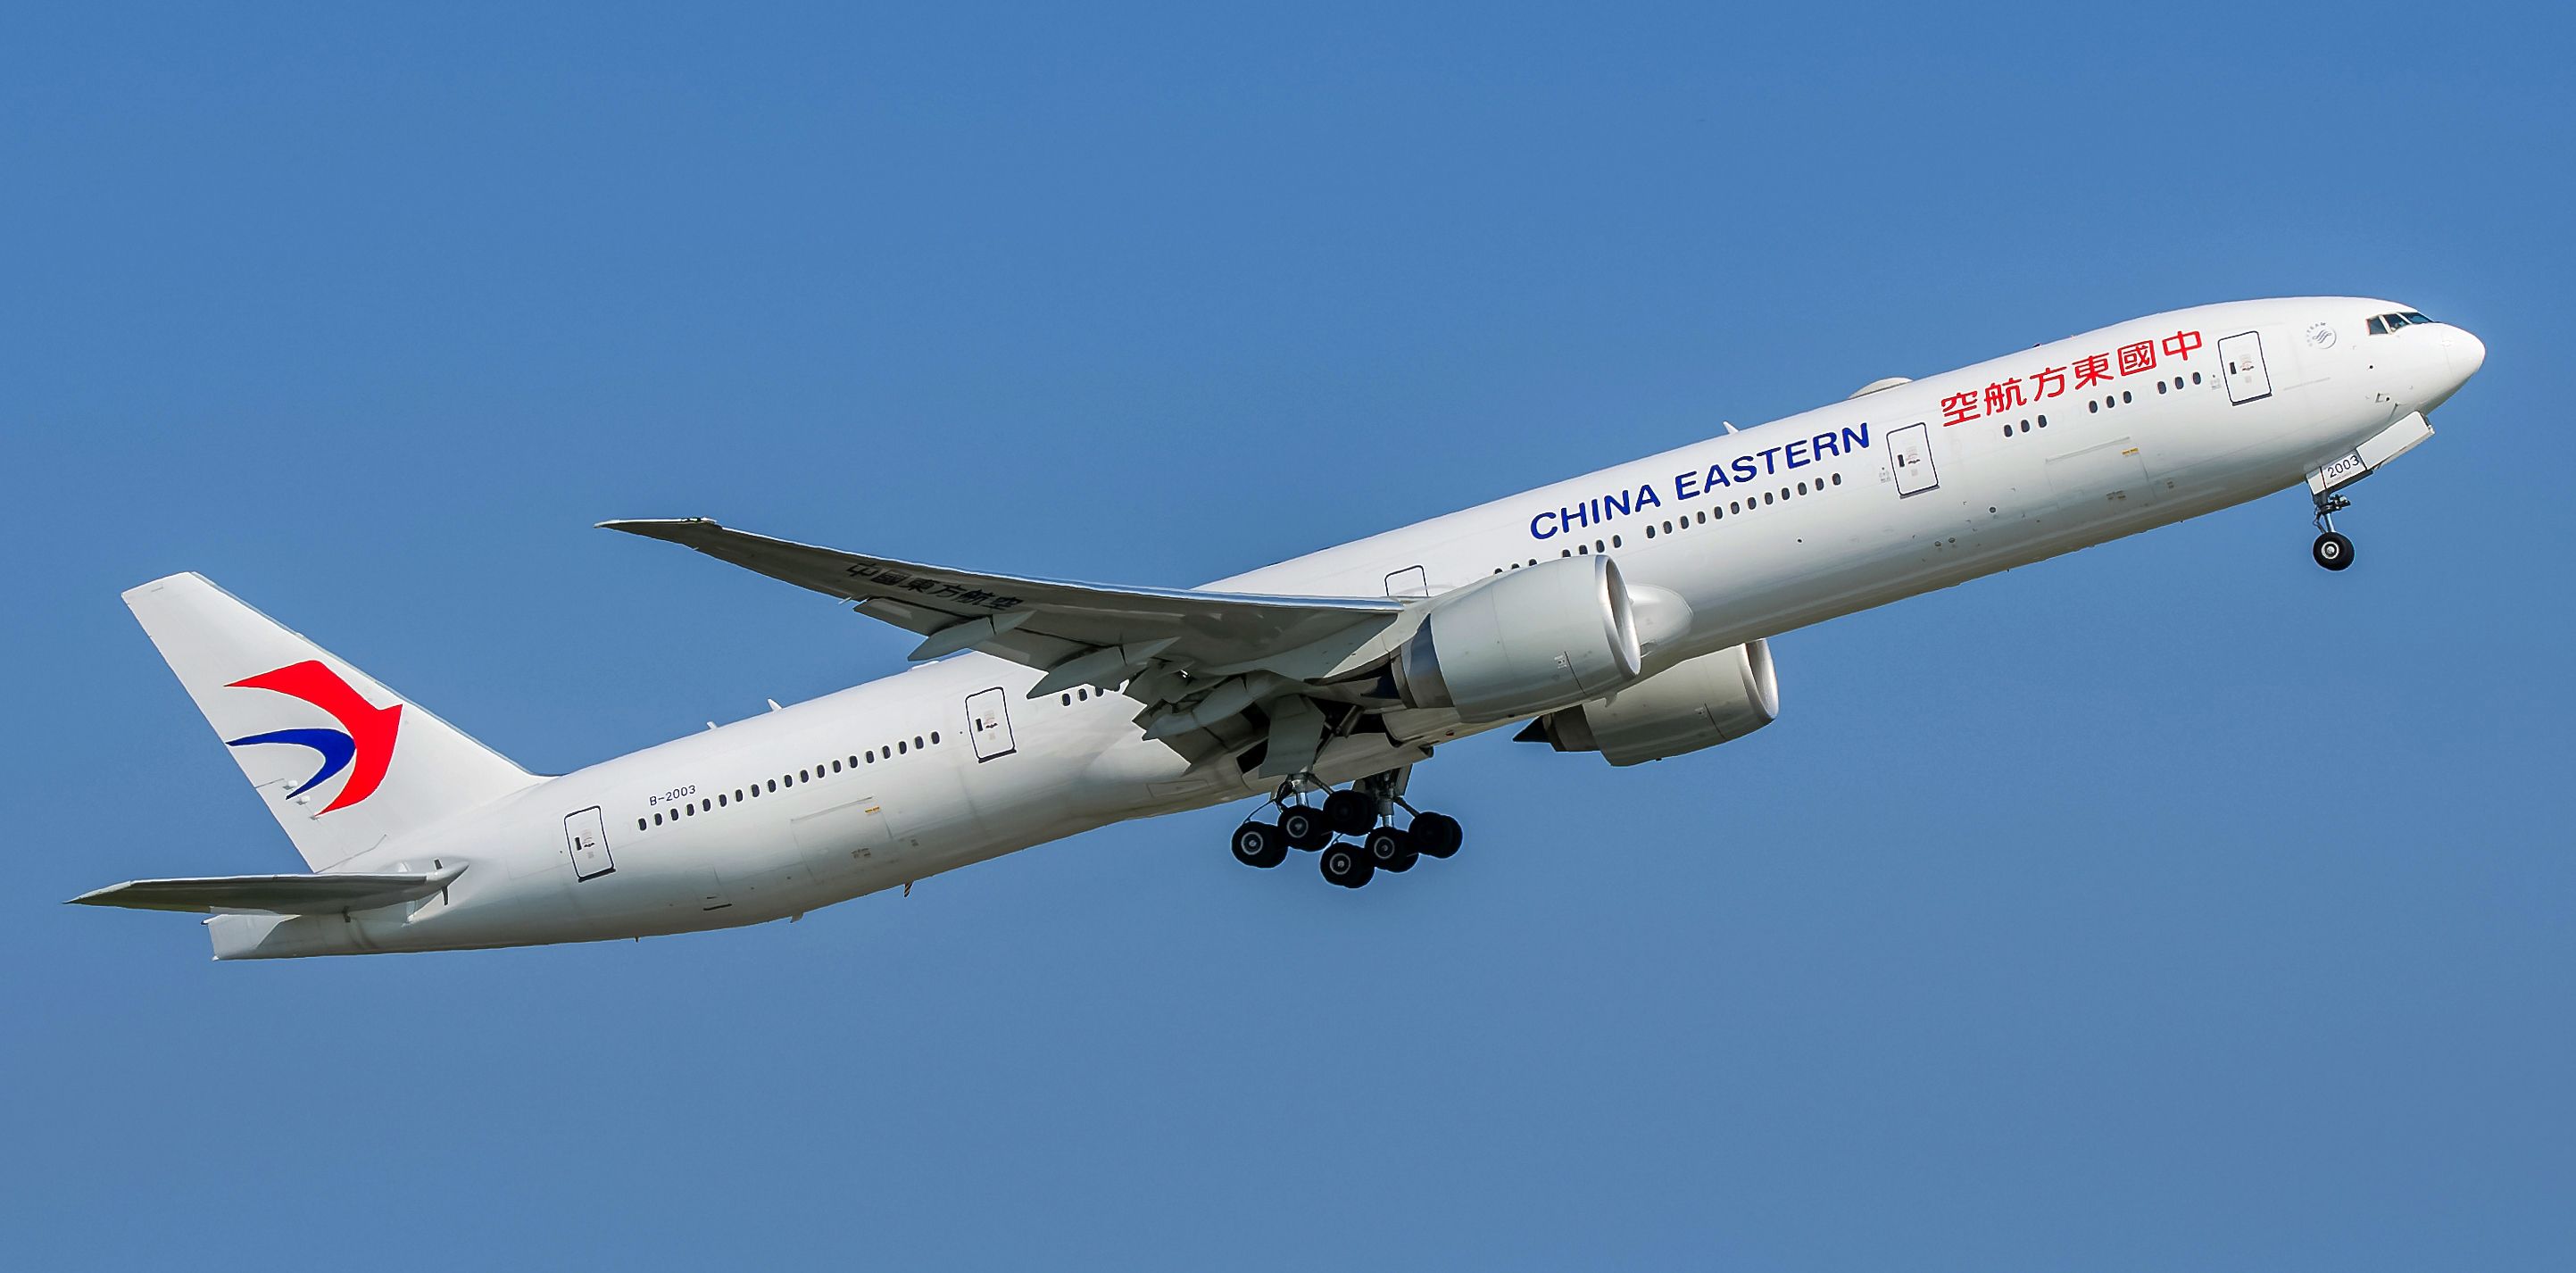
(275, 894)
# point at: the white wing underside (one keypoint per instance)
(1196, 661)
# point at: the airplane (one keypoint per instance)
(1626, 612)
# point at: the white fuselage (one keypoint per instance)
(1761, 531)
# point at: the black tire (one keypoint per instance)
(1350, 812)
(2332, 551)
(1259, 844)
(1346, 865)
(1304, 827)
(1436, 834)
(1384, 845)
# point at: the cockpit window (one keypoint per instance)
(2386, 323)
(2379, 325)
(2413, 317)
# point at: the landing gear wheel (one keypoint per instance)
(1259, 844)
(1350, 812)
(1389, 848)
(1345, 865)
(1437, 834)
(2332, 551)
(1304, 827)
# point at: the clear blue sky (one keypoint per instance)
(2174, 905)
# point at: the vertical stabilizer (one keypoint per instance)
(340, 760)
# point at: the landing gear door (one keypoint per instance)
(586, 837)
(1909, 456)
(2241, 359)
(988, 724)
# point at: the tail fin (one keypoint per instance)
(342, 761)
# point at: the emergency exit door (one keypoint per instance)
(1909, 457)
(586, 837)
(988, 724)
(2240, 360)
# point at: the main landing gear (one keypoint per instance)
(1363, 811)
(2332, 550)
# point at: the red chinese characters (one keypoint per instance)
(2001, 396)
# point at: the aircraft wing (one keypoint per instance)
(276, 894)
(1194, 659)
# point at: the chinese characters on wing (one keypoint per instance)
(892, 580)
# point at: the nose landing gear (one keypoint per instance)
(2332, 550)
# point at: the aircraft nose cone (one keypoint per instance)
(2468, 353)
(2460, 357)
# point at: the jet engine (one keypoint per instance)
(1525, 641)
(1696, 703)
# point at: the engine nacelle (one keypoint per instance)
(1701, 702)
(1524, 641)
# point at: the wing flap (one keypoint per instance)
(275, 894)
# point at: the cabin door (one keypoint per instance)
(988, 724)
(2241, 357)
(586, 837)
(1909, 452)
